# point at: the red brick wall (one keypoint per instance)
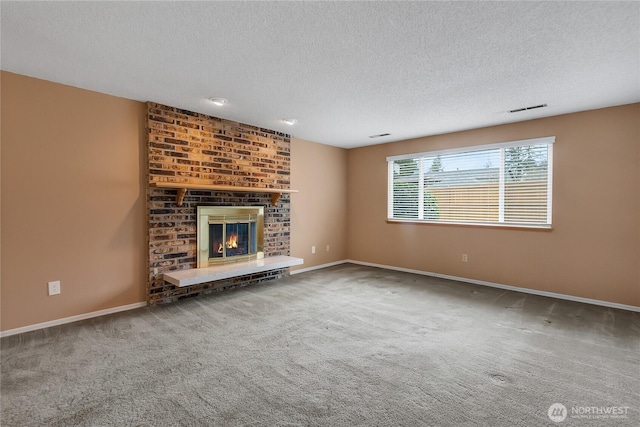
(195, 148)
(188, 147)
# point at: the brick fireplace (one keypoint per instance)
(191, 148)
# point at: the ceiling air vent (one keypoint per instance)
(517, 110)
(380, 135)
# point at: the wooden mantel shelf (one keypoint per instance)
(183, 187)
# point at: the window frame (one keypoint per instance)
(549, 141)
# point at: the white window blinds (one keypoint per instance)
(502, 184)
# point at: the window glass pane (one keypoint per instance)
(526, 184)
(463, 186)
(405, 189)
(504, 183)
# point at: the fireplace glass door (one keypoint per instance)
(229, 234)
(229, 239)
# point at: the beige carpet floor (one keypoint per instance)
(343, 346)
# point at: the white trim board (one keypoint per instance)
(318, 267)
(507, 287)
(71, 319)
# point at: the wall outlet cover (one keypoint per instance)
(54, 288)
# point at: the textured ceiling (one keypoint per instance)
(344, 70)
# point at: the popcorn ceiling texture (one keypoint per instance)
(344, 69)
(188, 147)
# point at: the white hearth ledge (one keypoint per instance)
(210, 274)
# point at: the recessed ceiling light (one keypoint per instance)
(218, 101)
(379, 135)
(289, 122)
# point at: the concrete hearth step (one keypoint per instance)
(210, 274)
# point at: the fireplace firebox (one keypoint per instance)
(229, 234)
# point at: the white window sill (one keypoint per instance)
(472, 224)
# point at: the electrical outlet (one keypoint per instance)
(313, 249)
(327, 248)
(54, 288)
(465, 258)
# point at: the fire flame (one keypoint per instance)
(232, 242)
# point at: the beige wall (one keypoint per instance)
(73, 180)
(72, 201)
(593, 249)
(319, 210)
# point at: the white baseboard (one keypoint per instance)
(331, 264)
(72, 319)
(507, 287)
(317, 267)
